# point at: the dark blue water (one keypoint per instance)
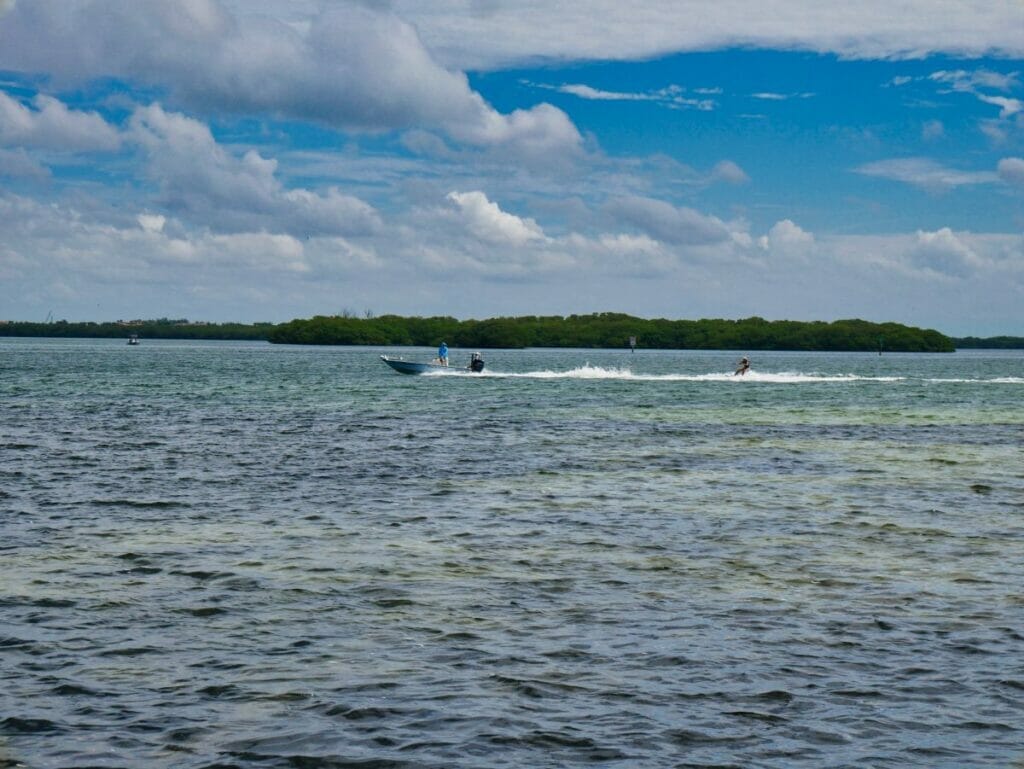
(240, 555)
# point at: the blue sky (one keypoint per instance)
(265, 160)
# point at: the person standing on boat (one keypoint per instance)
(442, 354)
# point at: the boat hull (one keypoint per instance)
(412, 367)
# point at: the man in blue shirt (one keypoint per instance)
(442, 354)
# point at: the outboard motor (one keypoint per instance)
(476, 363)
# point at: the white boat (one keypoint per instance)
(476, 365)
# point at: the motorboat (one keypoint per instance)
(133, 339)
(402, 366)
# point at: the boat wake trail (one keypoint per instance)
(597, 372)
(781, 377)
(589, 372)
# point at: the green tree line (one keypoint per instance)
(598, 330)
(162, 328)
(612, 330)
(990, 343)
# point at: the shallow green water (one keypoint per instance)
(244, 555)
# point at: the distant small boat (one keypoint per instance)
(133, 339)
(476, 365)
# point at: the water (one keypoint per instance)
(241, 555)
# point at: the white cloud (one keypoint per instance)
(977, 82)
(943, 252)
(152, 222)
(60, 241)
(943, 255)
(1011, 171)
(200, 180)
(351, 67)
(623, 254)
(925, 173)
(501, 246)
(538, 135)
(488, 222)
(17, 164)
(49, 124)
(587, 92)
(672, 96)
(786, 237)
(994, 130)
(610, 30)
(728, 171)
(1007, 107)
(255, 251)
(771, 96)
(665, 222)
(972, 80)
(53, 256)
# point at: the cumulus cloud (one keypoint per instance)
(943, 252)
(199, 179)
(485, 241)
(1011, 171)
(633, 255)
(351, 66)
(152, 249)
(49, 124)
(152, 222)
(53, 255)
(543, 133)
(256, 251)
(925, 173)
(665, 222)
(488, 222)
(786, 236)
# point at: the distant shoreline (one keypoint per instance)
(969, 348)
(594, 331)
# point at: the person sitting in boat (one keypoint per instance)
(476, 363)
(442, 354)
(743, 368)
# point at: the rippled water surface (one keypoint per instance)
(241, 555)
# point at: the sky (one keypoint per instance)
(263, 160)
